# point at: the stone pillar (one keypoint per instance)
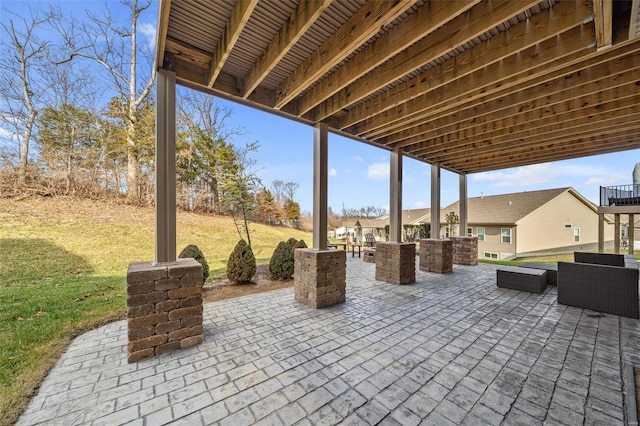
(395, 262)
(465, 250)
(320, 277)
(164, 307)
(436, 255)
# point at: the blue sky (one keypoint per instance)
(359, 173)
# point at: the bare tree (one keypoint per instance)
(204, 151)
(22, 86)
(117, 50)
(290, 189)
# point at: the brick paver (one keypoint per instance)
(448, 349)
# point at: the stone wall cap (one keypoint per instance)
(146, 271)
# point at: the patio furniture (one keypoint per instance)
(353, 249)
(336, 245)
(523, 279)
(552, 271)
(369, 248)
(369, 254)
(369, 240)
(600, 282)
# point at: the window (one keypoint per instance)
(568, 226)
(446, 232)
(505, 235)
(480, 230)
(490, 255)
(469, 232)
(576, 235)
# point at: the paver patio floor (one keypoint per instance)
(448, 349)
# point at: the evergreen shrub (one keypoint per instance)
(194, 252)
(241, 266)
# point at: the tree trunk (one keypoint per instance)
(133, 179)
(24, 149)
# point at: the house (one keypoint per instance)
(532, 223)
(377, 226)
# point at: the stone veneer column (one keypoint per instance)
(395, 262)
(465, 250)
(436, 255)
(320, 277)
(164, 307)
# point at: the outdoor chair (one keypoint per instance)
(369, 240)
(600, 282)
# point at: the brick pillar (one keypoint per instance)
(164, 307)
(436, 255)
(395, 262)
(465, 250)
(320, 277)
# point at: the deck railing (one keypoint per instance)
(620, 195)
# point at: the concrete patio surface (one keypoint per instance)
(448, 349)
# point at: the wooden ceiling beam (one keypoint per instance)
(363, 25)
(575, 110)
(237, 21)
(163, 26)
(613, 141)
(458, 32)
(522, 36)
(603, 18)
(521, 107)
(516, 70)
(578, 65)
(579, 128)
(429, 19)
(301, 19)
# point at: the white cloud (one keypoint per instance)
(378, 171)
(149, 31)
(358, 158)
(7, 135)
(333, 172)
(420, 204)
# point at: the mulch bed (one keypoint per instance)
(222, 288)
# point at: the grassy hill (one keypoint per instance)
(62, 270)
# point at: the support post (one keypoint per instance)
(320, 173)
(631, 234)
(395, 197)
(464, 214)
(616, 233)
(165, 167)
(435, 201)
(600, 232)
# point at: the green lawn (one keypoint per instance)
(62, 271)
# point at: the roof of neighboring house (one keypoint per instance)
(507, 208)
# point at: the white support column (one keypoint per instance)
(464, 214)
(320, 173)
(166, 167)
(435, 201)
(600, 232)
(395, 197)
(616, 233)
(631, 234)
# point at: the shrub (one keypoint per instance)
(278, 262)
(193, 251)
(299, 244)
(241, 266)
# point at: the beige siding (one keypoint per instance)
(493, 243)
(544, 229)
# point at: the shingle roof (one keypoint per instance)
(504, 208)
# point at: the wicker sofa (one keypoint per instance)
(600, 282)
